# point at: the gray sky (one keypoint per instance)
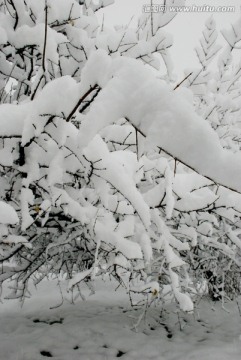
(186, 28)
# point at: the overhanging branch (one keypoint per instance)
(182, 162)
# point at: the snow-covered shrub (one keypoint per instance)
(216, 91)
(108, 166)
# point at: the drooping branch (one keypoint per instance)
(182, 162)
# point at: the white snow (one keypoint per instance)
(26, 35)
(184, 300)
(128, 248)
(117, 175)
(26, 198)
(7, 214)
(79, 277)
(14, 239)
(104, 157)
(102, 329)
(12, 117)
(164, 115)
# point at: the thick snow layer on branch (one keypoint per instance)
(72, 207)
(6, 157)
(12, 119)
(164, 116)
(7, 214)
(184, 300)
(79, 277)
(47, 103)
(146, 246)
(199, 199)
(235, 239)
(29, 119)
(56, 169)
(165, 233)
(3, 36)
(26, 35)
(188, 232)
(222, 247)
(186, 183)
(27, 198)
(228, 199)
(117, 172)
(173, 260)
(128, 248)
(154, 196)
(14, 239)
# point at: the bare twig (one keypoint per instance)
(45, 36)
(180, 83)
(16, 14)
(80, 102)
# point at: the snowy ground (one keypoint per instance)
(101, 329)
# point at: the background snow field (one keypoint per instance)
(102, 329)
